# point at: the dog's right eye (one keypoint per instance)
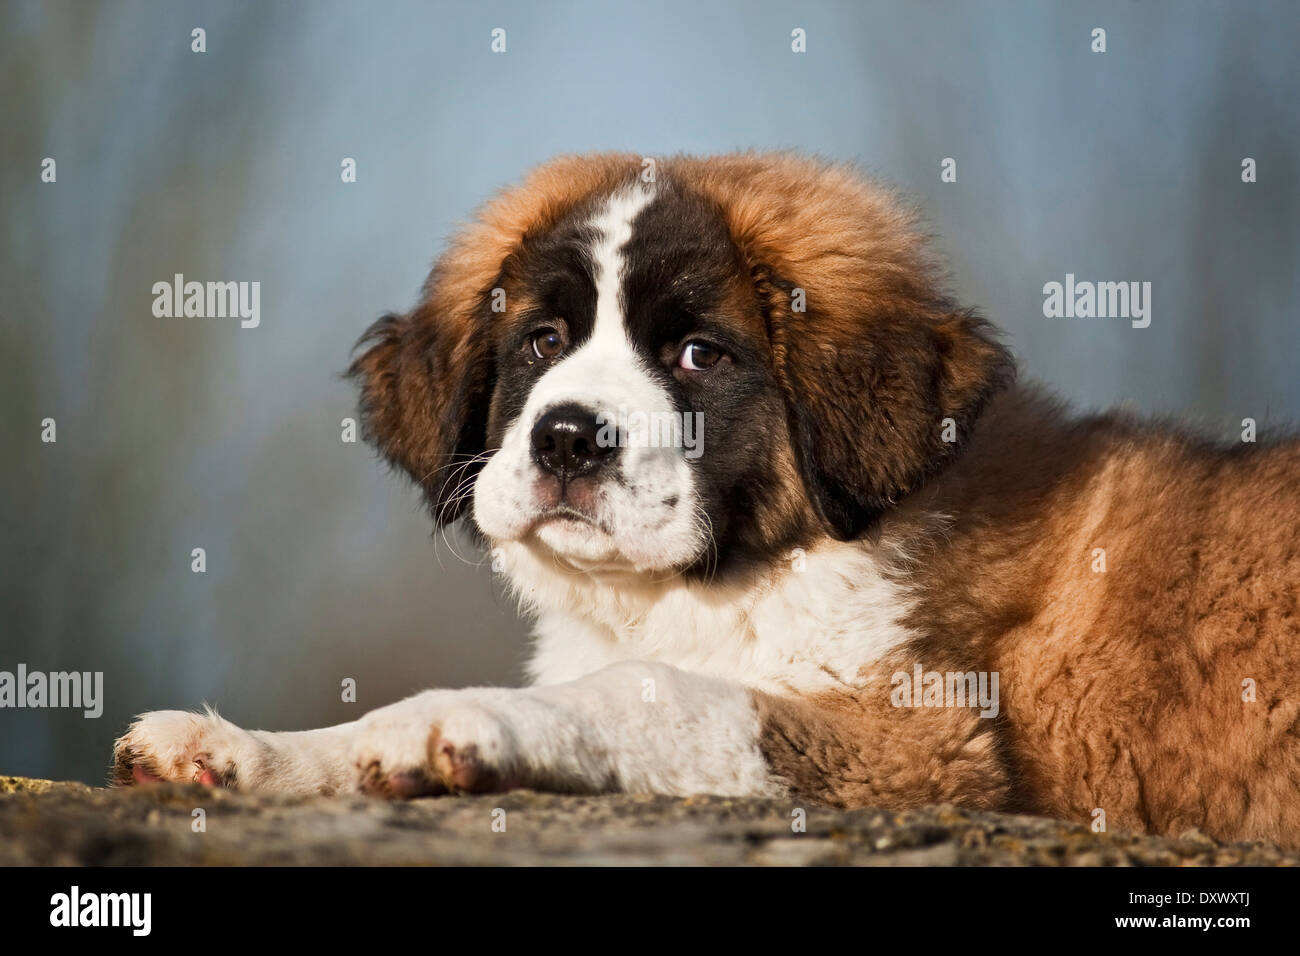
(547, 343)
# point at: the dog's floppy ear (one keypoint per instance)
(426, 381)
(883, 375)
(881, 402)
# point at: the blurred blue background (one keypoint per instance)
(225, 165)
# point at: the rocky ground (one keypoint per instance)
(68, 824)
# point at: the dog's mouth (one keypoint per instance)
(575, 538)
(590, 526)
(567, 514)
(575, 503)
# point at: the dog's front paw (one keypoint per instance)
(434, 743)
(180, 746)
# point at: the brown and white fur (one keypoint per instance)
(873, 492)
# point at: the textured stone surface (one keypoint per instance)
(53, 823)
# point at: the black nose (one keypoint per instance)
(566, 442)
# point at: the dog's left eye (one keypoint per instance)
(698, 356)
(547, 343)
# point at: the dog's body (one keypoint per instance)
(872, 499)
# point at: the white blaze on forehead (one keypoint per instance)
(614, 223)
(604, 372)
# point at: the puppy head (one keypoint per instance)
(742, 355)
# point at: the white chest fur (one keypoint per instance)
(811, 623)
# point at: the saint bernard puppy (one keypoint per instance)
(788, 527)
